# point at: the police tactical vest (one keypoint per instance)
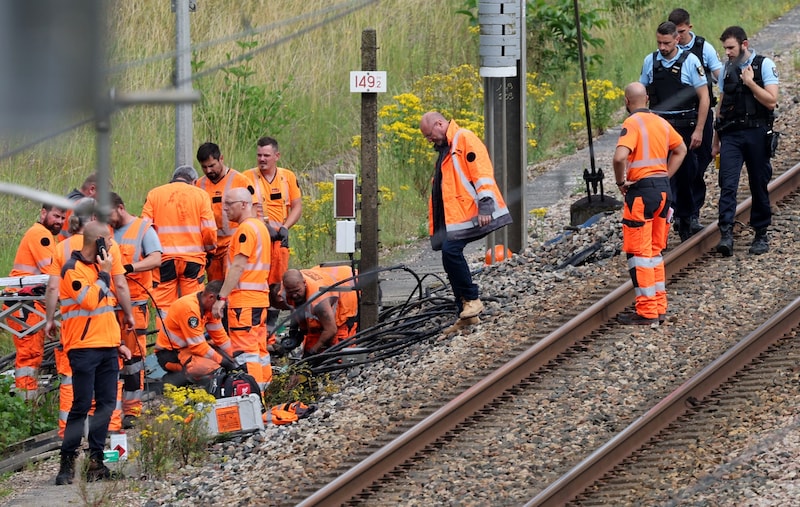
(667, 92)
(697, 50)
(738, 102)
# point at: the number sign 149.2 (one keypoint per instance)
(362, 81)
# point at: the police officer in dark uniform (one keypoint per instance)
(707, 54)
(678, 90)
(744, 134)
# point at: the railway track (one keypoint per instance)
(572, 371)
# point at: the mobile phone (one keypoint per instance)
(101, 248)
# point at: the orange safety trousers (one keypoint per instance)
(66, 395)
(29, 351)
(247, 328)
(218, 267)
(644, 237)
(176, 278)
(278, 263)
(132, 372)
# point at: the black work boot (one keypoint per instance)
(684, 229)
(695, 226)
(760, 242)
(97, 471)
(725, 246)
(66, 472)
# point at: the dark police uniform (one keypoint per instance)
(744, 127)
(707, 55)
(672, 88)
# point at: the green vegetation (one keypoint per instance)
(174, 433)
(20, 419)
(295, 87)
(290, 80)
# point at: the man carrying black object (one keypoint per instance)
(743, 134)
(465, 205)
(181, 347)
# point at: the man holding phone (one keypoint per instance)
(90, 335)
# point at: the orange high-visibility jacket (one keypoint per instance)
(185, 331)
(276, 196)
(650, 139)
(87, 306)
(467, 178)
(182, 216)
(251, 239)
(75, 242)
(35, 252)
(130, 246)
(344, 303)
(216, 192)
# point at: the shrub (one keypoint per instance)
(175, 431)
(20, 419)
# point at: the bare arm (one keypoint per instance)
(702, 114)
(231, 279)
(51, 302)
(152, 261)
(324, 313)
(295, 212)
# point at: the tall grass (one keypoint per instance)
(415, 38)
(631, 34)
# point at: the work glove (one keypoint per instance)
(283, 236)
(228, 363)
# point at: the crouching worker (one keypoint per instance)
(181, 347)
(330, 316)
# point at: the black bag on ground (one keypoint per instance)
(235, 383)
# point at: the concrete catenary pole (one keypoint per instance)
(502, 51)
(369, 187)
(183, 82)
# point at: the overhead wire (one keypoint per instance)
(248, 32)
(358, 4)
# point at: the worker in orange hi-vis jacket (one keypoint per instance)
(245, 291)
(182, 216)
(182, 349)
(90, 335)
(141, 254)
(34, 256)
(219, 179)
(82, 216)
(279, 202)
(330, 316)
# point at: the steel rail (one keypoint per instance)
(468, 403)
(613, 452)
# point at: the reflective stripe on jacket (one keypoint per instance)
(87, 306)
(649, 138)
(251, 240)
(130, 246)
(467, 178)
(216, 192)
(182, 216)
